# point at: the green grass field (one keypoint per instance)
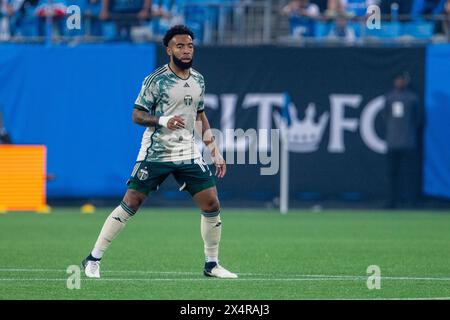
(159, 255)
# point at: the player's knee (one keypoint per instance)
(211, 206)
(134, 199)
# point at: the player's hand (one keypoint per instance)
(176, 123)
(221, 166)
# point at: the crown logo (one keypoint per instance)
(303, 136)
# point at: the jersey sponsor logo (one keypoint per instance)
(142, 174)
(186, 85)
(188, 100)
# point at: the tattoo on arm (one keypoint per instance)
(144, 118)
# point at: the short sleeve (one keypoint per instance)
(201, 102)
(148, 96)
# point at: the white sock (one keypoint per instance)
(212, 259)
(111, 228)
(211, 229)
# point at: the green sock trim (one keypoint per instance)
(211, 214)
(130, 211)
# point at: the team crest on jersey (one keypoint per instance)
(142, 174)
(188, 100)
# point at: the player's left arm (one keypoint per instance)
(208, 140)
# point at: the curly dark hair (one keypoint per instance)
(176, 30)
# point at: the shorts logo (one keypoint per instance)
(142, 174)
(188, 100)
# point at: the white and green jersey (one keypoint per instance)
(163, 93)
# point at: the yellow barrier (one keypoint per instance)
(23, 178)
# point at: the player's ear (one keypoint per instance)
(169, 51)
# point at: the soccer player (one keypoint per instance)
(169, 104)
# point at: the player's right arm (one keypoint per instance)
(145, 119)
(147, 99)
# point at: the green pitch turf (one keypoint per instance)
(159, 255)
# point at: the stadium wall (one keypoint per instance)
(437, 133)
(345, 159)
(78, 102)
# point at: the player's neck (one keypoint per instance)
(182, 73)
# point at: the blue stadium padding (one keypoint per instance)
(260, 195)
(437, 130)
(388, 30)
(322, 29)
(308, 195)
(351, 196)
(418, 29)
(109, 30)
(78, 102)
(301, 26)
(225, 195)
(357, 26)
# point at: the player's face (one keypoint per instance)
(181, 51)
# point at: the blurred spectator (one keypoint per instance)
(351, 8)
(322, 4)
(126, 14)
(404, 121)
(427, 7)
(358, 8)
(446, 20)
(4, 136)
(165, 13)
(56, 10)
(342, 31)
(302, 17)
(335, 7)
(4, 22)
(91, 13)
(10, 17)
(23, 23)
(404, 7)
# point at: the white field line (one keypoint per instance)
(183, 279)
(175, 279)
(289, 277)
